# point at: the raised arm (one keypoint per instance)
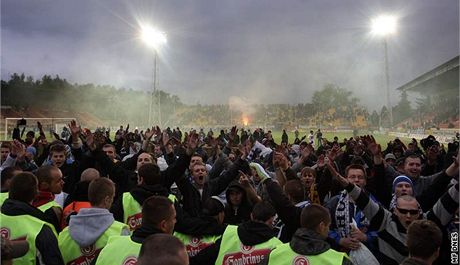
(438, 185)
(378, 216)
(445, 207)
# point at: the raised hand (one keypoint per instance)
(148, 134)
(280, 160)
(375, 149)
(321, 161)
(332, 154)
(157, 130)
(40, 126)
(232, 134)
(245, 149)
(305, 153)
(74, 128)
(343, 181)
(18, 149)
(214, 145)
(56, 136)
(244, 179)
(165, 138)
(192, 143)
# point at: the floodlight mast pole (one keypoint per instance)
(385, 25)
(156, 82)
(154, 38)
(155, 93)
(387, 81)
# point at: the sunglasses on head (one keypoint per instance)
(405, 211)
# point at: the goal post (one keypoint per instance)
(49, 125)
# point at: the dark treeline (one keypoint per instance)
(330, 106)
(105, 102)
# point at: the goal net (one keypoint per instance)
(50, 125)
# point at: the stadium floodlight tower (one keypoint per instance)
(384, 26)
(154, 39)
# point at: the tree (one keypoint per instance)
(403, 110)
(335, 98)
(384, 117)
(374, 119)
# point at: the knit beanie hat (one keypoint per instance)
(31, 150)
(400, 179)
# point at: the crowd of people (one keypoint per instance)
(233, 197)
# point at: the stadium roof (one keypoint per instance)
(442, 77)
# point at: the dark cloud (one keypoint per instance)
(270, 51)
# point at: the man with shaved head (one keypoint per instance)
(78, 199)
(89, 174)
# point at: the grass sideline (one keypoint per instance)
(381, 139)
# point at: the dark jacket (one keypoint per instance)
(80, 193)
(237, 215)
(46, 242)
(392, 234)
(193, 200)
(427, 189)
(354, 214)
(71, 175)
(185, 223)
(250, 234)
(140, 234)
(286, 210)
(123, 175)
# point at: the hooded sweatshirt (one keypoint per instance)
(250, 233)
(253, 233)
(140, 193)
(235, 215)
(89, 224)
(308, 242)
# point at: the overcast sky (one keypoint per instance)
(267, 51)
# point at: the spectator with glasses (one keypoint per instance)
(392, 226)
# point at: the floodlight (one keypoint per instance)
(384, 25)
(152, 37)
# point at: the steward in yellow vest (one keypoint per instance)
(89, 230)
(128, 208)
(159, 216)
(213, 209)
(308, 245)
(248, 243)
(21, 220)
(3, 197)
(152, 184)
